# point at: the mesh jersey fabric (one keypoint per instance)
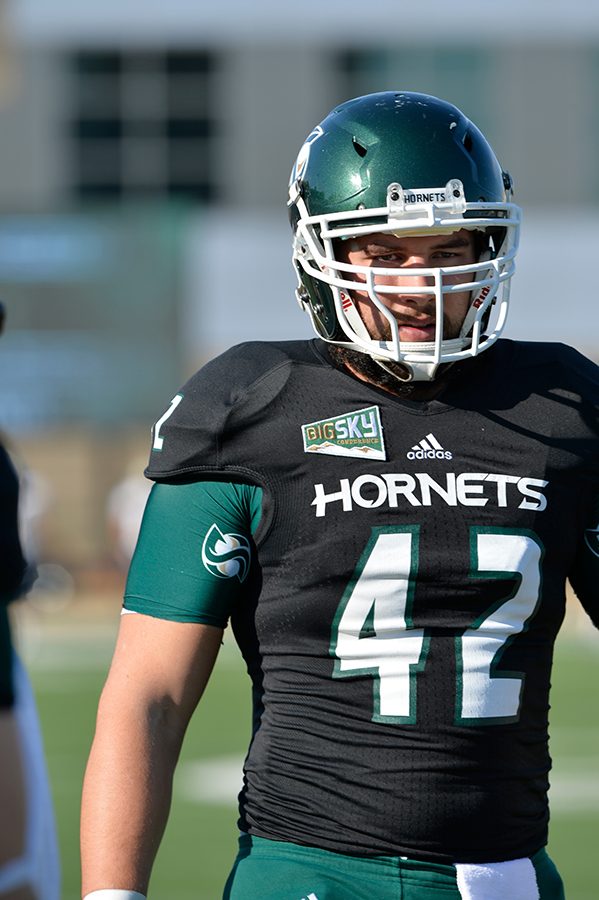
(455, 557)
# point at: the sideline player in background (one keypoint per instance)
(387, 515)
(29, 868)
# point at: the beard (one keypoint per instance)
(395, 377)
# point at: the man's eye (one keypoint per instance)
(387, 257)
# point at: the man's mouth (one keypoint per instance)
(416, 330)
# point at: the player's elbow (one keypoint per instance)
(153, 723)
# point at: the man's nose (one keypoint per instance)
(408, 280)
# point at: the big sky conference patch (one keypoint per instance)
(358, 433)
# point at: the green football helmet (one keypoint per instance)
(409, 164)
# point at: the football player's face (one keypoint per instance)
(414, 312)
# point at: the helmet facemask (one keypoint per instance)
(323, 277)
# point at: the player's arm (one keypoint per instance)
(13, 802)
(158, 674)
(15, 868)
(12, 792)
(584, 576)
(193, 562)
(13, 807)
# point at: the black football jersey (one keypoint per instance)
(412, 566)
(12, 568)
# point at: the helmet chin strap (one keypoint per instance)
(407, 373)
(402, 370)
(483, 298)
(417, 370)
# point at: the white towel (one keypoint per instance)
(511, 880)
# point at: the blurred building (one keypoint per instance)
(209, 101)
(144, 157)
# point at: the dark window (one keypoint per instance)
(143, 123)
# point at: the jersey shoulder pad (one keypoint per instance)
(225, 394)
(555, 365)
(575, 379)
(582, 372)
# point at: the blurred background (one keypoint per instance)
(144, 156)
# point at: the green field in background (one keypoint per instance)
(68, 661)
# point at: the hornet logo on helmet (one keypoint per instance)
(226, 555)
(304, 155)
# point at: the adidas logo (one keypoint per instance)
(429, 448)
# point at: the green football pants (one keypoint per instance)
(277, 870)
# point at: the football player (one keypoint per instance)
(387, 516)
(29, 867)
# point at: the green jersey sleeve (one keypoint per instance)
(195, 557)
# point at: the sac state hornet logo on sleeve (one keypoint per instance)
(226, 555)
(591, 537)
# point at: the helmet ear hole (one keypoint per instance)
(318, 296)
(488, 243)
(496, 237)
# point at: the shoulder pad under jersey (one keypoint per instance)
(220, 399)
